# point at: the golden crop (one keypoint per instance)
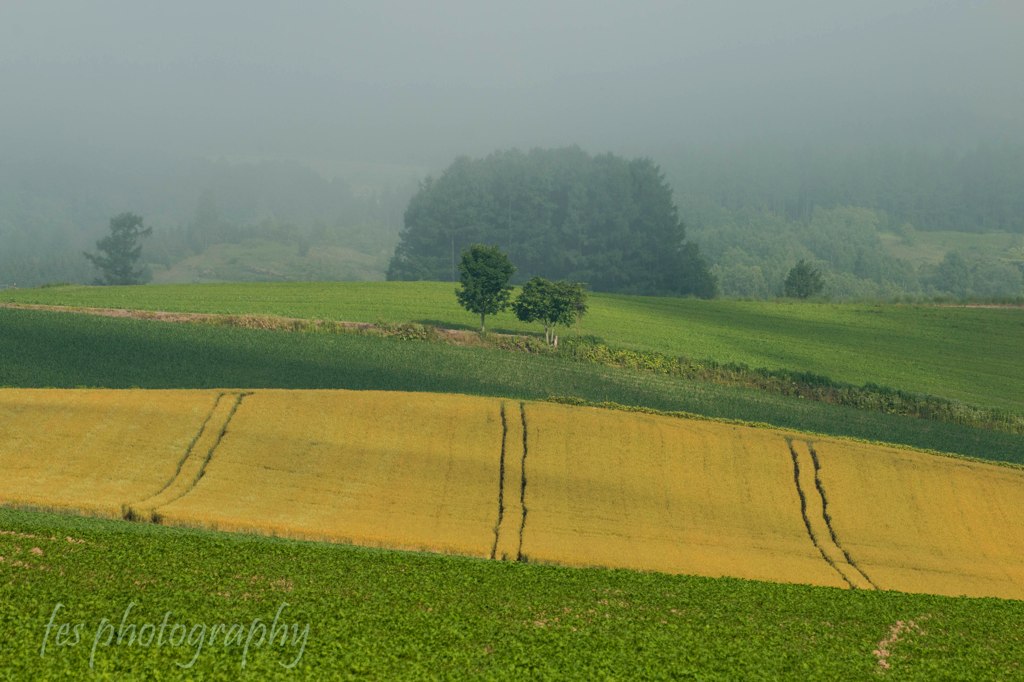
(417, 473)
(650, 492)
(920, 523)
(522, 481)
(93, 450)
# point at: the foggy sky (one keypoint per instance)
(419, 83)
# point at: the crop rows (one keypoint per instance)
(970, 355)
(61, 350)
(577, 486)
(398, 615)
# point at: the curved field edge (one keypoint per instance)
(606, 488)
(922, 349)
(568, 400)
(55, 350)
(585, 349)
(402, 615)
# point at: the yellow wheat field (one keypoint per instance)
(420, 472)
(920, 523)
(522, 481)
(641, 491)
(93, 450)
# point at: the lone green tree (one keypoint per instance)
(120, 250)
(484, 281)
(550, 303)
(803, 281)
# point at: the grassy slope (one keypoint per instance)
(401, 615)
(62, 350)
(966, 354)
(261, 260)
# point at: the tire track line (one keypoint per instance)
(522, 486)
(501, 482)
(806, 518)
(828, 518)
(128, 509)
(179, 488)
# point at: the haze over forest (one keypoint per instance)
(882, 140)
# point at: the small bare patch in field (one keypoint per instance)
(17, 534)
(897, 631)
(18, 563)
(31, 536)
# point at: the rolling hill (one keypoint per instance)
(966, 354)
(523, 481)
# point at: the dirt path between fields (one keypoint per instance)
(461, 337)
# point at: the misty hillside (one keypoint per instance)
(884, 223)
(882, 142)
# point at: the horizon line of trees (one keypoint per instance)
(559, 213)
(966, 189)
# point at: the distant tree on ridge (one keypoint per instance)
(120, 250)
(484, 288)
(550, 303)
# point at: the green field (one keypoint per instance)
(383, 615)
(261, 260)
(58, 350)
(972, 355)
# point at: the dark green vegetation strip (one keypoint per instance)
(394, 615)
(589, 349)
(39, 349)
(971, 355)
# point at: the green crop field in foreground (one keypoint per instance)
(59, 350)
(386, 615)
(966, 354)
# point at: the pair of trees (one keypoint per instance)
(485, 275)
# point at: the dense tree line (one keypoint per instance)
(562, 213)
(854, 249)
(967, 190)
(878, 223)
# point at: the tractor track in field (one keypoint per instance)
(522, 486)
(220, 437)
(188, 450)
(806, 518)
(828, 518)
(501, 482)
(131, 513)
